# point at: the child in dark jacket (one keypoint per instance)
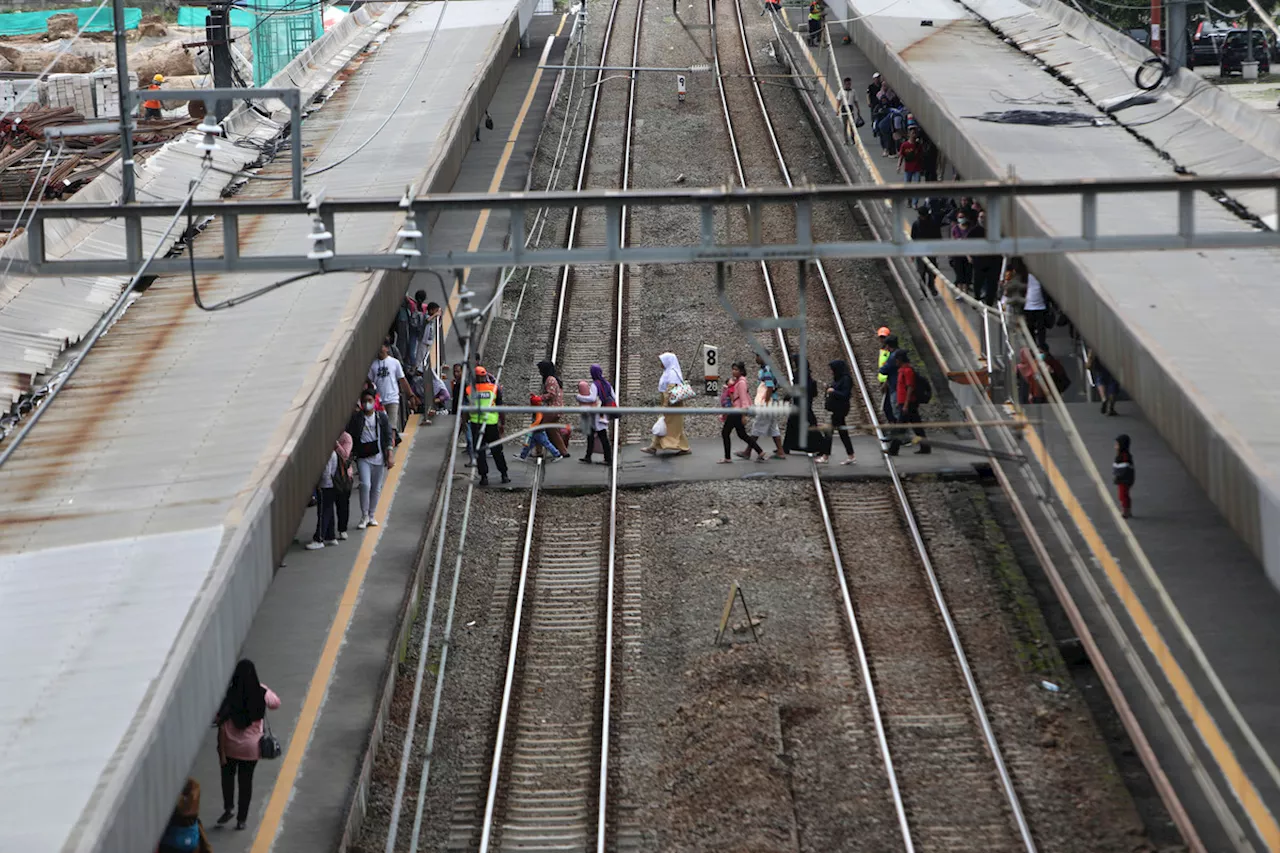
(1123, 473)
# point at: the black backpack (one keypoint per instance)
(924, 389)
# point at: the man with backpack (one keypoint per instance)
(913, 391)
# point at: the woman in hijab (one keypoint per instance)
(239, 723)
(674, 439)
(552, 395)
(818, 442)
(343, 502)
(839, 394)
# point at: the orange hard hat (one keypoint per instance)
(883, 332)
(480, 371)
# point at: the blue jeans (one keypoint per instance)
(371, 474)
(471, 448)
(540, 439)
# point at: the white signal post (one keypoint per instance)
(710, 357)
(680, 87)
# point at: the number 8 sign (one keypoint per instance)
(710, 356)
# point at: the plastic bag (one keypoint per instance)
(660, 426)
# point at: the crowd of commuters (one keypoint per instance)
(401, 380)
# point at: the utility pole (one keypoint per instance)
(217, 33)
(1177, 47)
(1155, 27)
(126, 103)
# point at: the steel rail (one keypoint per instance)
(783, 349)
(582, 174)
(984, 722)
(602, 803)
(486, 831)
(864, 663)
(558, 334)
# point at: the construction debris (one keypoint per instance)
(170, 59)
(152, 25)
(62, 26)
(37, 60)
(73, 161)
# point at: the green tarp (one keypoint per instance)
(193, 16)
(97, 20)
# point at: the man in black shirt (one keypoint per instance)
(925, 228)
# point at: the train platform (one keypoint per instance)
(325, 636)
(164, 485)
(1145, 312)
(1180, 605)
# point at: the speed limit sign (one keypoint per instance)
(680, 88)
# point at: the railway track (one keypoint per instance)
(747, 116)
(548, 775)
(947, 781)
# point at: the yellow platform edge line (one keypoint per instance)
(319, 685)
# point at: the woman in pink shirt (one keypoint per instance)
(736, 396)
(239, 723)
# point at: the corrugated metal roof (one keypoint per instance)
(41, 317)
(1197, 123)
(158, 456)
(1191, 334)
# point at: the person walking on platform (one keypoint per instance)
(151, 106)
(839, 395)
(387, 374)
(925, 228)
(774, 6)
(1106, 384)
(763, 426)
(185, 832)
(486, 426)
(668, 432)
(850, 112)
(454, 402)
(887, 377)
(1123, 473)
(553, 395)
(817, 442)
(327, 510)
(816, 11)
(596, 395)
(240, 725)
(909, 387)
(343, 484)
(375, 455)
(735, 396)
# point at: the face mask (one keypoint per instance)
(964, 223)
(368, 407)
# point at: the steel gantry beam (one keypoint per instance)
(1183, 193)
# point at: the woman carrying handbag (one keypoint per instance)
(668, 433)
(241, 723)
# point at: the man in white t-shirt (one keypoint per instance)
(387, 374)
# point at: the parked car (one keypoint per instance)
(1235, 49)
(1206, 47)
